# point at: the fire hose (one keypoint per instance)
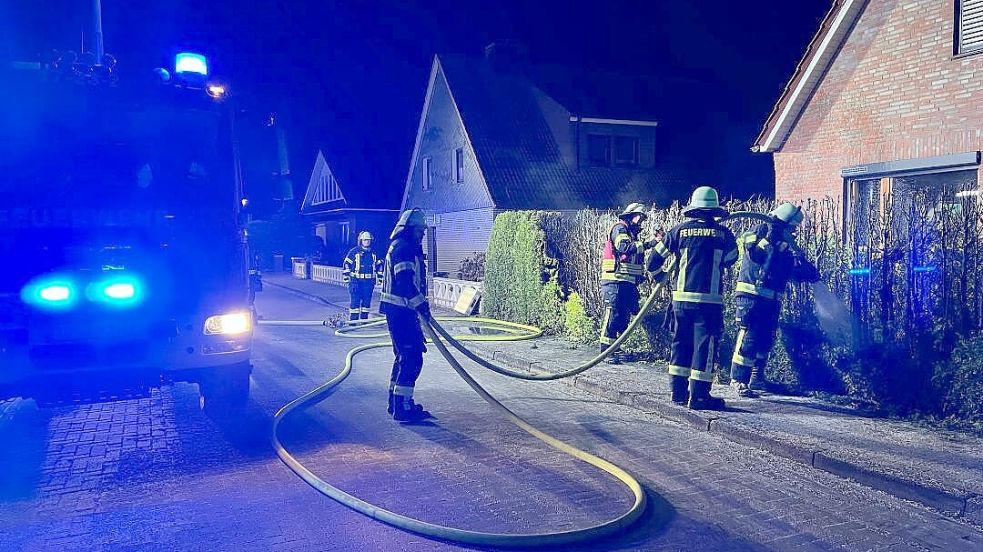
(436, 336)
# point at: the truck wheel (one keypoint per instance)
(225, 390)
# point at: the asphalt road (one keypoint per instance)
(157, 474)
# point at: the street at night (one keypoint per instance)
(157, 474)
(635, 276)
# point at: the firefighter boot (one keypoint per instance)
(678, 390)
(744, 390)
(700, 398)
(408, 412)
(758, 380)
(614, 357)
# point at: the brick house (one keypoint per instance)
(497, 135)
(887, 99)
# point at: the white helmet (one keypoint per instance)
(364, 235)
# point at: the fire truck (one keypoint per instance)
(124, 264)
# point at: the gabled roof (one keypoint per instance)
(819, 56)
(515, 129)
(329, 190)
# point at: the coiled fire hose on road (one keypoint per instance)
(436, 335)
(511, 331)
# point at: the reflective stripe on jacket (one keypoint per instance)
(703, 249)
(624, 256)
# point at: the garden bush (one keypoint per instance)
(578, 326)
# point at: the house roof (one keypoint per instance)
(364, 179)
(511, 121)
(808, 74)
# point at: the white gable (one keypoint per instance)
(322, 189)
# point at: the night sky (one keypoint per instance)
(354, 73)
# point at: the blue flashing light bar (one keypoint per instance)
(187, 62)
(858, 271)
(925, 269)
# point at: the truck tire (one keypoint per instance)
(225, 390)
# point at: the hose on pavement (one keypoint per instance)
(437, 335)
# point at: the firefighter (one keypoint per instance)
(703, 248)
(769, 260)
(361, 269)
(404, 294)
(622, 269)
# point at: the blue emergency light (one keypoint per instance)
(858, 271)
(55, 293)
(49, 293)
(924, 269)
(187, 62)
(119, 291)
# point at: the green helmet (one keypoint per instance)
(633, 209)
(788, 213)
(704, 201)
(410, 218)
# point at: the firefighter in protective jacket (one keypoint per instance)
(769, 260)
(703, 248)
(404, 294)
(360, 271)
(623, 266)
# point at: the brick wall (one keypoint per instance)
(894, 92)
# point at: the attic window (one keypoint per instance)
(969, 27)
(599, 150)
(459, 165)
(625, 151)
(427, 173)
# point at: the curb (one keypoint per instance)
(962, 505)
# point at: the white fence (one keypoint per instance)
(299, 268)
(327, 274)
(446, 291)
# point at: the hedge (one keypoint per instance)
(916, 301)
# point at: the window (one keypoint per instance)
(459, 165)
(625, 151)
(599, 150)
(969, 27)
(427, 173)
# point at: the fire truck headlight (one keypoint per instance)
(235, 323)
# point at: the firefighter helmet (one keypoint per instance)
(364, 235)
(788, 213)
(704, 201)
(633, 209)
(410, 218)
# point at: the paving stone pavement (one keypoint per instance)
(156, 474)
(942, 469)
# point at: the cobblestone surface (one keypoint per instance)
(156, 474)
